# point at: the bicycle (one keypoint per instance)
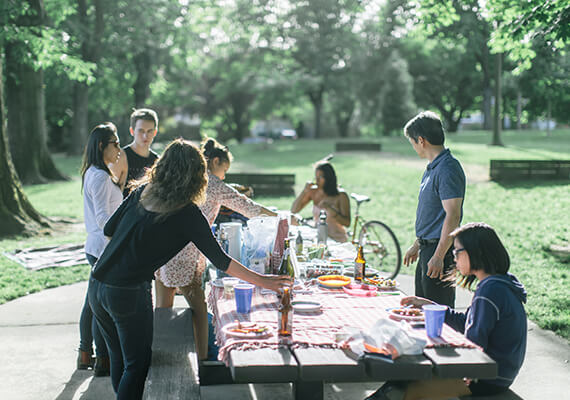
(381, 247)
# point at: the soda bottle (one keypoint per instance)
(359, 265)
(322, 228)
(285, 314)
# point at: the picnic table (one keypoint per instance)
(314, 357)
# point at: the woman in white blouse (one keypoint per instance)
(184, 271)
(101, 197)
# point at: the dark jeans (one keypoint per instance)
(434, 289)
(125, 316)
(88, 329)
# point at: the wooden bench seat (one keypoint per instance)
(512, 170)
(265, 184)
(358, 146)
(173, 370)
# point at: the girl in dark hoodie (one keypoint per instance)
(496, 319)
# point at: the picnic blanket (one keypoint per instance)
(340, 313)
(65, 255)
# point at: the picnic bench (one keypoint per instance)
(173, 372)
(513, 170)
(358, 146)
(265, 184)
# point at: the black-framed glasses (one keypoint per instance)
(114, 143)
(457, 251)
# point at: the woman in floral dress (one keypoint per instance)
(184, 271)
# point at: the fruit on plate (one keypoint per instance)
(408, 312)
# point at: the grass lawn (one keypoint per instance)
(529, 216)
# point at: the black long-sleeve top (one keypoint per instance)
(140, 245)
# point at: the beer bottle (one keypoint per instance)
(285, 314)
(286, 259)
(359, 265)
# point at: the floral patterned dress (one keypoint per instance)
(189, 264)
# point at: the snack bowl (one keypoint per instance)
(333, 281)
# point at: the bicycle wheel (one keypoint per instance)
(381, 248)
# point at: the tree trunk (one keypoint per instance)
(498, 96)
(141, 87)
(519, 109)
(16, 213)
(26, 107)
(91, 37)
(317, 101)
(487, 115)
(80, 124)
(26, 120)
(548, 116)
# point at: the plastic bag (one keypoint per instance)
(257, 243)
(388, 338)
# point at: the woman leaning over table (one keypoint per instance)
(326, 195)
(186, 268)
(101, 197)
(495, 320)
(157, 220)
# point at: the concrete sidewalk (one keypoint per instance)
(40, 334)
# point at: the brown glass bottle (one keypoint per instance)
(359, 265)
(285, 314)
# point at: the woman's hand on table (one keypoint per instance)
(414, 301)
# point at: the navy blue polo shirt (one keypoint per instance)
(443, 179)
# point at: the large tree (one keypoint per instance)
(25, 97)
(18, 216)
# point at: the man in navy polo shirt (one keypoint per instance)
(440, 208)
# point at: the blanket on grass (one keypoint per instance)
(66, 255)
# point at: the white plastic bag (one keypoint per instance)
(390, 338)
(258, 238)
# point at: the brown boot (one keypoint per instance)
(102, 366)
(84, 360)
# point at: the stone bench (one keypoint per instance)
(173, 372)
(516, 170)
(358, 146)
(265, 184)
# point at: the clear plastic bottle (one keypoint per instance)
(322, 228)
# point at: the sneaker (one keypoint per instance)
(84, 360)
(102, 367)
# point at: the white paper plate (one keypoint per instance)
(250, 335)
(306, 306)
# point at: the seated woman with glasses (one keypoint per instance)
(496, 319)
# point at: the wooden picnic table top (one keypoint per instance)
(308, 367)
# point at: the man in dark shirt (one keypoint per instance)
(137, 156)
(440, 209)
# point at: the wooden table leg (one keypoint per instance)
(308, 390)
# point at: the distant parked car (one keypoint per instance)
(288, 134)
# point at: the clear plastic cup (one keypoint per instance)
(434, 315)
(229, 283)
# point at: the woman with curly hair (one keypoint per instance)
(153, 224)
(185, 270)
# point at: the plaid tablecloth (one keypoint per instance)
(340, 312)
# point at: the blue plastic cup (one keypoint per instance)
(434, 317)
(243, 293)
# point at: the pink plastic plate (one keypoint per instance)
(356, 289)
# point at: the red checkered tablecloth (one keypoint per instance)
(340, 312)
